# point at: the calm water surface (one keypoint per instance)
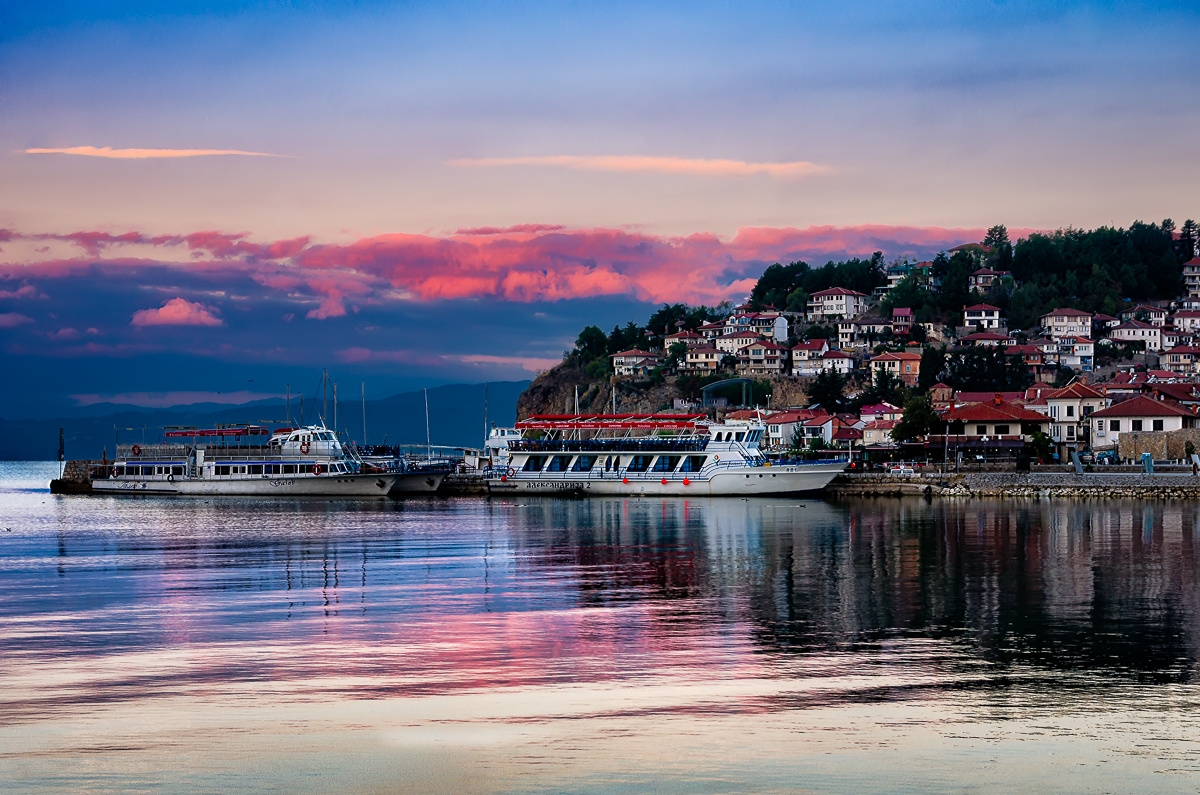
(596, 646)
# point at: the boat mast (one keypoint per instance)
(288, 404)
(324, 395)
(428, 446)
(486, 430)
(364, 402)
(335, 408)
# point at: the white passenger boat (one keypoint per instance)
(658, 454)
(244, 460)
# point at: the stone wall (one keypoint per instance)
(1162, 445)
(1036, 485)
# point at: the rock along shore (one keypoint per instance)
(1092, 485)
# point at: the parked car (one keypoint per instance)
(1107, 457)
(902, 469)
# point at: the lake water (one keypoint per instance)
(596, 646)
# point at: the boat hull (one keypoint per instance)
(349, 486)
(740, 481)
(417, 483)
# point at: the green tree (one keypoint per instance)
(886, 388)
(933, 361)
(983, 369)
(918, 419)
(827, 390)
(591, 344)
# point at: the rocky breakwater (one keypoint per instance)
(1091, 485)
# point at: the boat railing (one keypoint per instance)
(647, 445)
(710, 468)
(153, 452)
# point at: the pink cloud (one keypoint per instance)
(13, 319)
(142, 154)
(64, 334)
(525, 263)
(659, 165)
(25, 291)
(176, 312)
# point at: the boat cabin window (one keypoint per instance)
(608, 463)
(534, 463)
(177, 471)
(584, 463)
(639, 463)
(739, 437)
(147, 470)
(559, 463)
(289, 469)
(666, 463)
(256, 469)
(222, 470)
(693, 463)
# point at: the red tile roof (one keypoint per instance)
(1143, 406)
(1073, 390)
(903, 357)
(837, 291)
(982, 307)
(1068, 312)
(993, 412)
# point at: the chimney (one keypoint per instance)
(998, 399)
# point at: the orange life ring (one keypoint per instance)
(509, 473)
(687, 482)
(316, 470)
(304, 447)
(136, 449)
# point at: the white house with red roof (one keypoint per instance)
(878, 434)
(986, 339)
(902, 320)
(995, 426)
(1186, 320)
(704, 359)
(838, 361)
(1067, 322)
(982, 317)
(1138, 415)
(1148, 334)
(834, 304)
(806, 356)
(1070, 410)
(762, 357)
(634, 362)
(1078, 353)
(732, 343)
(1155, 315)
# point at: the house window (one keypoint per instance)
(1070, 431)
(981, 430)
(1070, 411)
(1002, 430)
(1114, 425)
(1135, 425)
(1158, 425)
(1054, 412)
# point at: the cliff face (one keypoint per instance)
(553, 392)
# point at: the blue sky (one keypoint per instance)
(667, 123)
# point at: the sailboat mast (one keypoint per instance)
(428, 445)
(486, 430)
(324, 395)
(364, 402)
(335, 425)
(288, 405)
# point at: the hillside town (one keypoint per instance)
(885, 383)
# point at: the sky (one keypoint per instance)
(214, 199)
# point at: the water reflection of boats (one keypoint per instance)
(1084, 585)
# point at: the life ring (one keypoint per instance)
(316, 470)
(687, 482)
(509, 472)
(664, 481)
(170, 478)
(304, 447)
(136, 449)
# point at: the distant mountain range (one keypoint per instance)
(456, 418)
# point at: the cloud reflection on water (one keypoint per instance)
(596, 645)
